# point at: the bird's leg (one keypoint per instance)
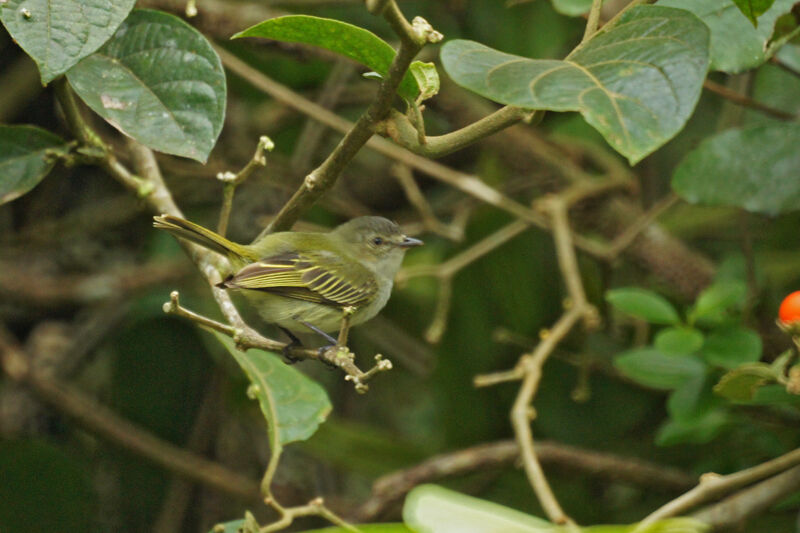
(347, 312)
(287, 350)
(318, 331)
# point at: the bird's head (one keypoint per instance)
(377, 242)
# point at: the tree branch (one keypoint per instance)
(388, 490)
(105, 423)
(320, 180)
(714, 485)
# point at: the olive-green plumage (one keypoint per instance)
(294, 278)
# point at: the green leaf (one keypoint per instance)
(27, 154)
(773, 395)
(753, 168)
(741, 383)
(654, 369)
(427, 78)
(434, 509)
(678, 341)
(718, 298)
(344, 39)
(636, 81)
(366, 528)
(234, 526)
(692, 431)
(159, 81)
(752, 9)
(59, 33)
(643, 304)
(731, 347)
(572, 8)
(691, 399)
(293, 404)
(735, 44)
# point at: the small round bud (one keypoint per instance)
(789, 311)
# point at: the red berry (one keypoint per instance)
(789, 311)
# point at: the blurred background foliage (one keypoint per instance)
(82, 274)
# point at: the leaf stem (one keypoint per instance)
(593, 20)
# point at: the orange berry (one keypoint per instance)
(789, 311)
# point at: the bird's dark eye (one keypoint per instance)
(377, 241)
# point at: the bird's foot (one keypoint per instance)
(288, 358)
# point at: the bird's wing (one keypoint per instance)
(315, 277)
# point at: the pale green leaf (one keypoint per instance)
(159, 81)
(735, 44)
(636, 81)
(27, 154)
(347, 40)
(59, 33)
(293, 404)
(234, 526)
(427, 78)
(643, 304)
(572, 8)
(741, 383)
(731, 347)
(753, 168)
(654, 369)
(366, 528)
(433, 509)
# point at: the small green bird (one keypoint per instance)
(300, 280)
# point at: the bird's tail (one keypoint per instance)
(200, 235)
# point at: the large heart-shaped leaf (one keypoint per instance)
(754, 168)
(736, 45)
(59, 33)
(636, 81)
(345, 39)
(27, 154)
(293, 404)
(159, 81)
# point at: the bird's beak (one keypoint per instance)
(410, 242)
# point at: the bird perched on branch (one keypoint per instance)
(300, 280)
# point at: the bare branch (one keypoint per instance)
(391, 488)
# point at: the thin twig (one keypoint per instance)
(632, 231)
(578, 309)
(231, 181)
(406, 180)
(746, 101)
(446, 271)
